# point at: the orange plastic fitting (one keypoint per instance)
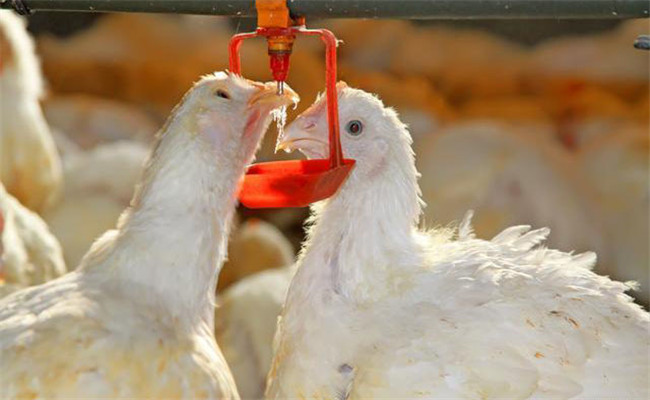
(274, 15)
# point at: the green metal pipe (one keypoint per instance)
(403, 9)
(244, 8)
(473, 9)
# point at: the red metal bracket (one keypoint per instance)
(301, 182)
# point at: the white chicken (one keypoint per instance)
(254, 246)
(617, 166)
(30, 167)
(509, 175)
(461, 61)
(245, 321)
(135, 319)
(29, 253)
(606, 57)
(134, 57)
(89, 121)
(381, 309)
(371, 44)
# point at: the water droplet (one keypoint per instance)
(280, 117)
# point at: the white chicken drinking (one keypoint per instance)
(30, 168)
(135, 319)
(381, 309)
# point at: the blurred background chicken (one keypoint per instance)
(134, 57)
(29, 253)
(618, 168)
(88, 121)
(99, 184)
(472, 54)
(29, 164)
(508, 177)
(30, 167)
(604, 59)
(254, 246)
(245, 324)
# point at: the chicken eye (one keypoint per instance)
(222, 93)
(354, 127)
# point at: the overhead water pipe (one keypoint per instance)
(402, 9)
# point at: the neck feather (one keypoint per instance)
(171, 243)
(357, 232)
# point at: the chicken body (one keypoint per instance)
(73, 337)
(135, 319)
(381, 309)
(30, 167)
(29, 253)
(495, 319)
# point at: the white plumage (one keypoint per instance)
(30, 167)
(135, 319)
(379, 308)
(29, 253)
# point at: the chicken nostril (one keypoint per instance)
(309, 125)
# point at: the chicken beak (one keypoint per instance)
(300, 135)
(286, 143)
(267, 95)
